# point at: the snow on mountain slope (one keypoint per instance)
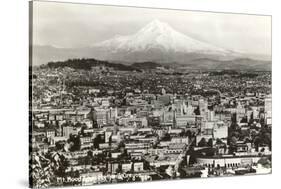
(161, 36)
(156, 42)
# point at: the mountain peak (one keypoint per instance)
(156, 21)
(157, 40)
(156, 26)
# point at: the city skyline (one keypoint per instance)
(147, 100)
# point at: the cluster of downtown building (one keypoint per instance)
(107, 126)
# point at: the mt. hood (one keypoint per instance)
(157, 41)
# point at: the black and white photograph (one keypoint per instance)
(122, 94)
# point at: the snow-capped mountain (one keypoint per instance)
(157, 41)
(161, 36)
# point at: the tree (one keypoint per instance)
(46, 167)
(40, 171)
(253, 134)
(251, 120)
(202, 142)
(197, 111)
(97, 141)
(244, 120)
(233, 141)
(210, 142)
(121, 144)
(59, 145)
(265, 162)
(267, 139)
(90, 153)
(257, 142)
(88, 159)
(188, 133)
(234, 118)
(247, 140)
(75, 141)
(219, 141)
(232, 144)
(166, 137)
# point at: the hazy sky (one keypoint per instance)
(80, 25)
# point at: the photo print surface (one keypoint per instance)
(127, 94)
